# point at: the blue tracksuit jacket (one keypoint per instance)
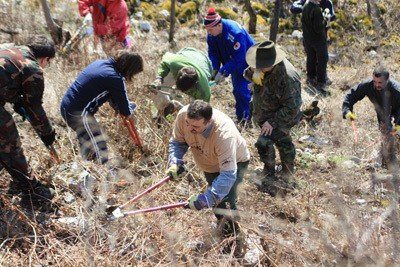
(97, 83)
(227, 53)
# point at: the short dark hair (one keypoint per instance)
(129, 64)
(381, 71)
(41, 46)
(186, 78)
(199, 109)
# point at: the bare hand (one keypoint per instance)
(266, 129)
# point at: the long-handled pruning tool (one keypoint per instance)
(116, 212)
(130, 125)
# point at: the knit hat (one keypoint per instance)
(212, 18)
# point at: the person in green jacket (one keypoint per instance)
(190, 71)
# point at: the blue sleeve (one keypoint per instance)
(297, 6)
(119, 97)
(212, 53)
(238, 56)
(176, 152)
(219, 189)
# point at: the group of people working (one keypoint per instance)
(259, 71)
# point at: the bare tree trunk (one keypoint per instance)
(377, 18)
(172, 22)
(55, 30)
(273, 33)
(368, 7)
(253, 17)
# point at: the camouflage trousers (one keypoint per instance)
(92, 141)
(283, 141)
(230, 200)
(11, 154)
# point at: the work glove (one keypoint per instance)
(128, 42)
(87, 18)
(219, 78)
(19, 108)
(258, 77)
(174, 171)
(193, 203)
(49, 138)
(156, 84)
(397, 129)
(350, 116)
(327, 15)
(132, 107)
(213, 74)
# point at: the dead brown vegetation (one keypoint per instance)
(324, 222)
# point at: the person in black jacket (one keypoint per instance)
(315, 45)
(384, 93)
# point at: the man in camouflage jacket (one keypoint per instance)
(22, 84)
(276, 107)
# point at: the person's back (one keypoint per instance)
(92, 87)
(110, 17)
(313, 23)
(227, 46)
(17, 65)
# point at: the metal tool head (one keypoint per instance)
(116, 214)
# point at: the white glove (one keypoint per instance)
(327, 15)
(219, 78)
(87, 18)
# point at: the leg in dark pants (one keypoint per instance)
(311, 61)
(265, 146)
(13, 160)
(321, 50)
(229, 227)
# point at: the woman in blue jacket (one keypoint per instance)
(227, 46)
(101, 81)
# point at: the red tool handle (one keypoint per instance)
(148, 190)
(54, 155)
(165, 207)
(355, 131)
(132, 130)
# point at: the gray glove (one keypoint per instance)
(219, 78)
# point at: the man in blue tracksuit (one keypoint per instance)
(227, 46)
(101, 81)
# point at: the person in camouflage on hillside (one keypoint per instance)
(22, 84)
(276, 109)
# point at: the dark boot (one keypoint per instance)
(287, 176)
(33, 191)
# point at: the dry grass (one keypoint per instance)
(320, 224)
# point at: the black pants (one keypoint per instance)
(317, 60)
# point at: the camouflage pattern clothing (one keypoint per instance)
(22, 84)
(277, 101)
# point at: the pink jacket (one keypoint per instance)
(110, 17)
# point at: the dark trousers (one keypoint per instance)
(266, 150)
(92, 141)
(317, 60)
(231, 198)
(12, 157)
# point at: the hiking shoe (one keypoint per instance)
(38, 191)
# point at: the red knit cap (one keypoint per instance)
(212, 18)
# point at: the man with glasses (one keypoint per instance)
(22, 84)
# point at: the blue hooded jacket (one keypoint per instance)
(229, 48)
